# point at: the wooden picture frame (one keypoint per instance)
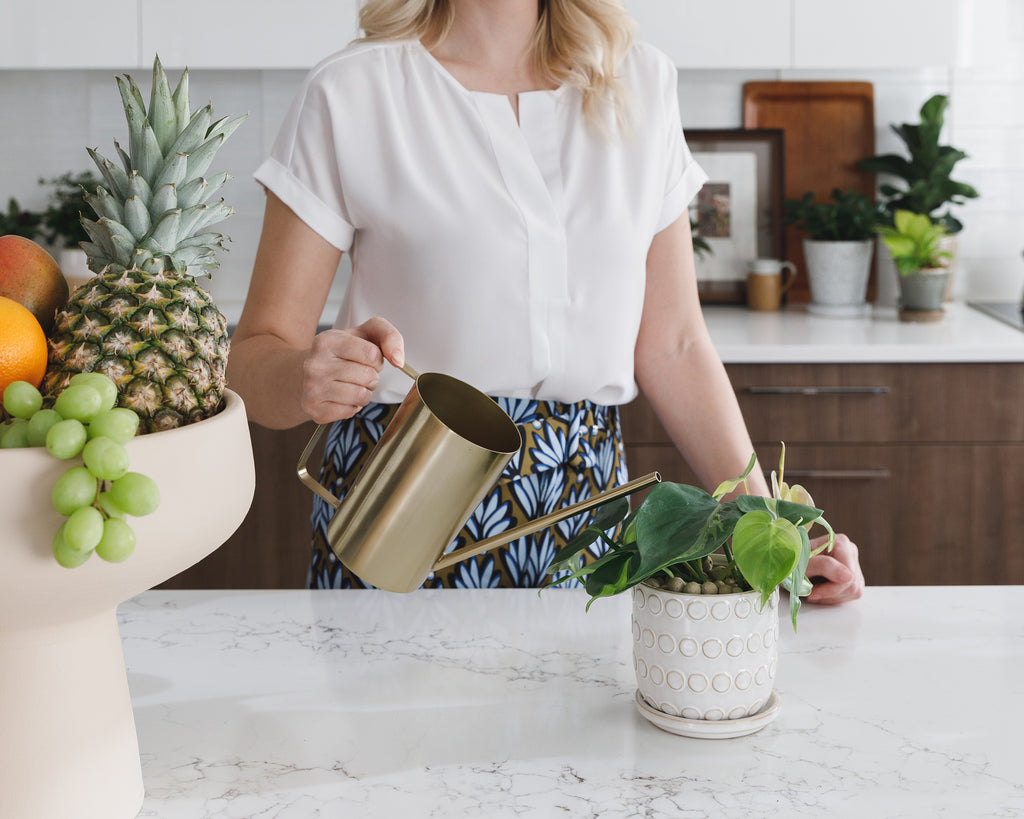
(739, 211)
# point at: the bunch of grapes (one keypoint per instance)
(97, 494)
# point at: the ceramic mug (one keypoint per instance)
(767, 281)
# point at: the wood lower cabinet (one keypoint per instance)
(920, 464)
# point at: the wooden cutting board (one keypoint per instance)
(828, 127)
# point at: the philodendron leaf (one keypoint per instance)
(609, 578)
(607, 517)
(795, 513)
(766, 550)
(725, 487)
(797, 583)
(678, 523)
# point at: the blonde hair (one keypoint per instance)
(578, 43)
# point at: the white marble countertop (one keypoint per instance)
(295, 704)
(792, 336)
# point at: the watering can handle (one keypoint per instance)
(308, 480)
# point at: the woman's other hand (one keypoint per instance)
(343, 368)
(836, 575)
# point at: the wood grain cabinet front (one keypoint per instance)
(920, 464)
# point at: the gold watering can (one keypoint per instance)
(436, 461)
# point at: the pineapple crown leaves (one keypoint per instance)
(155, 207)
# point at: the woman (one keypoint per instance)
(511, 181)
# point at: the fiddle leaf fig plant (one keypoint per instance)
(764, 541)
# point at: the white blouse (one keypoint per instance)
(509, 254)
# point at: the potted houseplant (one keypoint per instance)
(915, 242)
(922, 180)
(705, 575)
(840, 234)
(61, 222)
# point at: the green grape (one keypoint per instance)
(83, 529)
(39, 424)
(15, 434)
(79, 401)
(119, 424)
(106, 459)
(137, 494)
(107, 505)
(99, 382)
(64, 554)
(22, 400)
(66, 438)
(73, 490)
(118, 541)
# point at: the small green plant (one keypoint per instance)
(849, 216)
(764, 541)
(914, 241)
(926, 173)
(62, 219)
(16, 221)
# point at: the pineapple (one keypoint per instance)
(143, 320)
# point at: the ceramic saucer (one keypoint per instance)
(711, 729)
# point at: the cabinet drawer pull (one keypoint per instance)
(838, 474)
(817, 390)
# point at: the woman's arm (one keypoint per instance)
(683, 378)
(285, 372)
(680, 372)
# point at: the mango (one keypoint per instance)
(31, 276)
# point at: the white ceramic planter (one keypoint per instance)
(837, 273)
(704, 657)
(69, 746)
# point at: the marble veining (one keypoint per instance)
(501, 703)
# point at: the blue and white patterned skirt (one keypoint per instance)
(570, 452)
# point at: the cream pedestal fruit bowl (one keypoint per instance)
(69, 747)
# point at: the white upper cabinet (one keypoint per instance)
(875, 33)
(69, 34)
(717, 33)
(255, 34)
(246, 33)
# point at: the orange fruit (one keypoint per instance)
(22, 345)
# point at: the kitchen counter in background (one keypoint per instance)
(501, 703)
(792, 336)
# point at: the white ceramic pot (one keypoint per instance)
(69, 746)
(704, 657)
(837, 272)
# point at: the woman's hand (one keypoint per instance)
(343, 367)
(836, 575)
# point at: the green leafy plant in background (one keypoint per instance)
(764, 541)
(701, 248)
(914, 242)
(16, 221)
(926, 173)
(62, 219)
(849, 216)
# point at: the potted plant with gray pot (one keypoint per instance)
(705, 575)
(915, 243)
(922, 180)
(837, 249)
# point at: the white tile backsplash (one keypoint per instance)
(50, 116)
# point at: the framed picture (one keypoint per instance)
(737, 215)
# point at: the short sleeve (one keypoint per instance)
(303, 169)
(684, 177)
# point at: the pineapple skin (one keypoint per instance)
(160, 337)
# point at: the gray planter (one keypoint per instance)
(838, 271)
(924, 290)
